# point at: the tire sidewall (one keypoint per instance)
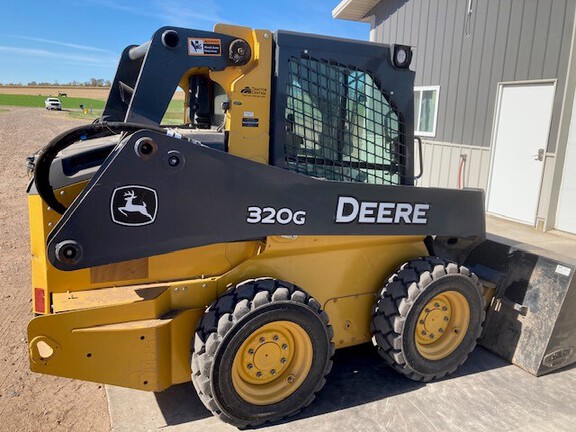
(451, 282)
(222, 387)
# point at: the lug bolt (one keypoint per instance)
(251, 351)
(427, 310)
(424, 332)
(259, 375)
(436, 304)
(431, 336)
(273, 372)
(262, 340)
(444, 308)
(249, 366)
(290, 379)
(283, 360)
(421, 321)
(284, 346)
(275, 338)
(440, 330)
(446, 318)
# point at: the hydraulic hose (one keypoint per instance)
(65, 140)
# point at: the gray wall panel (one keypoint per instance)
(554, 40)
(542, 27)
(526, 40)
(477, 63)
(511, 40)
(463, 82)
(448, 70)
(498, 58)
(485, 78)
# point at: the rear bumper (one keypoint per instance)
(141, 345)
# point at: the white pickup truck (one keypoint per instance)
(53, 104)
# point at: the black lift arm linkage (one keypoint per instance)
(148, 74)
(156, 194)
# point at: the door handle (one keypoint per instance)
(540, 155)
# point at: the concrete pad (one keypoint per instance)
(555, 241)
(363, 394)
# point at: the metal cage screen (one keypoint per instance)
(341, 125)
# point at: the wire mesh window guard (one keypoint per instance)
(341, 125)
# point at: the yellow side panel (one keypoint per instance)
(348, 318)
(249, 91)
(132, 345)
(333, 267)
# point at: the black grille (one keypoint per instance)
(341, 125)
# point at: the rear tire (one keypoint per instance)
(428, 318)
(261, 352)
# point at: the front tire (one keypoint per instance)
(428, 318)
(261, 352)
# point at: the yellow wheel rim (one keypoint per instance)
(442, 325)
(272, 363)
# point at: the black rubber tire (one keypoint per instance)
(229, 321)
(399, 304)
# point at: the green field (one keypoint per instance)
(173, 115)
(38, 101)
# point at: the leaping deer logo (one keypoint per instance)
(134, 205)
(130, 207)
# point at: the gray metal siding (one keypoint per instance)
(510, 40)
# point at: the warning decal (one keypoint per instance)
(249, 122)
(204, 47)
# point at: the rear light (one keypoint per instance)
(39, 300)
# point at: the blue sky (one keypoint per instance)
(62, 41)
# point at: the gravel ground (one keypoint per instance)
(29, 401)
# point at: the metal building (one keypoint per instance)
(494, 97)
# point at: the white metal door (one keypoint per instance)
(518, 149)
(566, 215)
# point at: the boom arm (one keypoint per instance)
(157, 194)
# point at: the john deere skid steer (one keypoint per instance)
(238, 250)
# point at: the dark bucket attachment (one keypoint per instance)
(531, 320)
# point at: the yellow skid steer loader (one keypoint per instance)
(238, 250)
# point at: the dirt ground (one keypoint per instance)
(77, 92)
(29, 401)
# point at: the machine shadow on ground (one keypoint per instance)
(358, 376)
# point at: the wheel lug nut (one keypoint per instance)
(251, 351)
(290, 379)
(262, 340)
(275, 338)
(446, 318)
(249, 366)
(444, 308)
(283, 360)
(259, 374)
(427, 310)
(424, 332)
(421, 321)
(273, 372)
(440, 330)
(431, 336)
(436, 304)
(285, 346)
